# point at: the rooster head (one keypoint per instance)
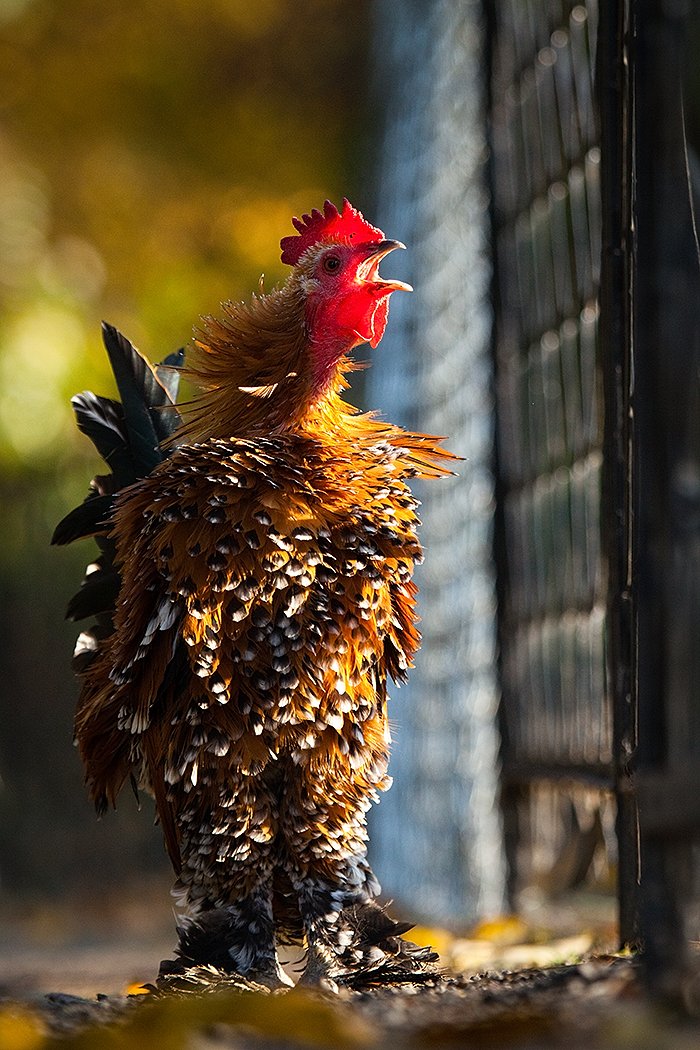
(336, 256)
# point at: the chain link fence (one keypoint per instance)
(438, 838)
(437, 834)
(559, 755)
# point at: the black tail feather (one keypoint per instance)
(143, 397)
(102, 420)
(98, 594)
(132, 436)
(168, 373)
(87, 519)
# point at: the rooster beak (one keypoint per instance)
(375, 254)
(382, 248)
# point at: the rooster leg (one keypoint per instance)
(227, 840)
(350, 939)
(234, 944)
(332, 951)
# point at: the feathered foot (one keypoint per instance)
(175, 977)
(363, 946)
(234, 946)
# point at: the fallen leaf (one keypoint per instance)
(475, 956)
(503, 929)
(170, 1023)
(20, 1029)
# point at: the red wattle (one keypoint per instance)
(378, 322)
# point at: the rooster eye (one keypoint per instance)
(331, 264)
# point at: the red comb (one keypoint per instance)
(346, 225)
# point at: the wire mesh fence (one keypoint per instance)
(434, 373)
(437, 837)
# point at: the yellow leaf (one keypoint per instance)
(170, 1023)
(136, 988)
(503, 929)
(20, 1029)
(431, 936)
(476, 956)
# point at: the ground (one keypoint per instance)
(596, 1004)
(517, 989)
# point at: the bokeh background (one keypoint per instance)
(151, 156)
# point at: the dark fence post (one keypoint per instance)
(614, 104)
(666, 403)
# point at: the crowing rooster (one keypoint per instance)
(253, 594)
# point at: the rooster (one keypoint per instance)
(253, 595)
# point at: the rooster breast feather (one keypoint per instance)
(264, 598)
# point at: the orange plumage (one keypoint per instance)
(264, 597)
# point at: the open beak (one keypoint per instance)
(369, 269)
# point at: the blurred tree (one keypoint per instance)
(151, 155)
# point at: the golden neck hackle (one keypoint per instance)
(254, 371)
(251, 366)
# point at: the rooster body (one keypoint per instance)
(264, 598)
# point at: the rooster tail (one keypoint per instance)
(132, 436)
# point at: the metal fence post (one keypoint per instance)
(614, 104)
(666, 480)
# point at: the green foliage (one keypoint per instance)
(151, 155)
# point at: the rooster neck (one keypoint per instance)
(259, 375)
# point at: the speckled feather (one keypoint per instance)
(283, 595)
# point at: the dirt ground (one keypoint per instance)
(595, 1004)
(76, 984)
